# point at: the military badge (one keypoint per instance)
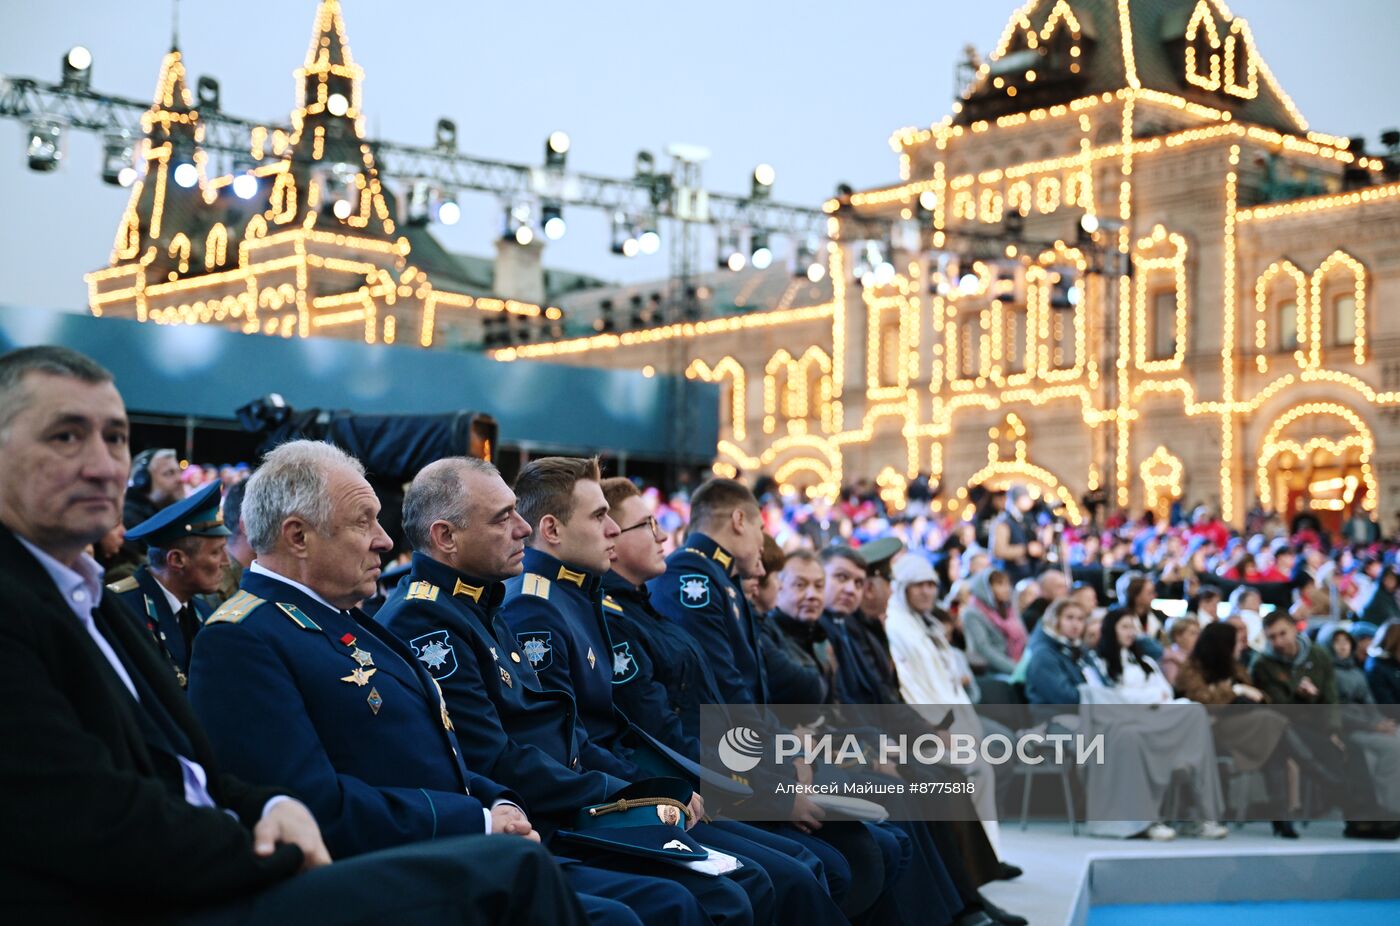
(624, 665)
(592, 660)
(535, 645)
(374, 701)
(505, 677)
(435, 651)
(695, 590)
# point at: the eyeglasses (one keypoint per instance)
(649, 522)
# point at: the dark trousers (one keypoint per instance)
(468, 880)
(800, 896)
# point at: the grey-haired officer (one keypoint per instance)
(185, 549)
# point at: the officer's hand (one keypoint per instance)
(695, 810)
(511, 820)
(806, 815)
(1307, 689)
(289, 821)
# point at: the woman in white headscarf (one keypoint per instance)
(929, 678)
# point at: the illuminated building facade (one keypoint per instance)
(1125, 264)
(302, 242)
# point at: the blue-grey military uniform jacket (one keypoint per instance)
(555, 613)
(337, 710)
(661, 675)
(143, 595)
(699, 592)
(510, 728)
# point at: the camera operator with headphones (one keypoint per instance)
(154, 483)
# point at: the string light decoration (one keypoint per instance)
(894, 489)
(1161, 479)
(738, 395)
(321, 223)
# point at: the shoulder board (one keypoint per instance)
(422, 591)
(122, 586)
(235, 609)
(297, 616)
(609, 603)
(535, 584)
(695, 551)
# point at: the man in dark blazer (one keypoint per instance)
(112, 808)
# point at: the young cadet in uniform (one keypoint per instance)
(700, 592)
(661, 676)
(554, 609)
(113, 808)
(185, 548)
(297, 686)
(460, 518)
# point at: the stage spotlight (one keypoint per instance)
(553, 221)
(448, 212)
(117, 152)
(77, 68)
(44, 146)
(649, 241)
(763, 177)
(245, 186)
(556, 150)
(186, 174)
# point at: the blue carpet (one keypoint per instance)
(1272, 913)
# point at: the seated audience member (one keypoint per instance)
(928, 671)
(1245, 604)
(1385, 602)
(995, 635)
(1136, 676)
(1027, 590)
(1293, 670)
(1182, 633)
(1085, 596)
(1205, 604)
(794, 641)
(1383, 664)
(1364, 726)
(1364, 633)
(1257, 740)
(115, 808)
(1054, 585)
(953, 631)
(1136, 592)
(1059, 672)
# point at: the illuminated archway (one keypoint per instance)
(1317, 455)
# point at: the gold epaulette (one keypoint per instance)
(422, 591)
(535, 584)
(235, 609)
(608, 602)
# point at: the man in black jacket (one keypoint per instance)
(112, 808)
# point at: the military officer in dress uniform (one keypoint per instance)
(297, 686)
(555, 610)
(185, 547)
(700, 588)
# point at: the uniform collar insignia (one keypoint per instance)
(723, 558)
(568, 575)
(470, 591)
